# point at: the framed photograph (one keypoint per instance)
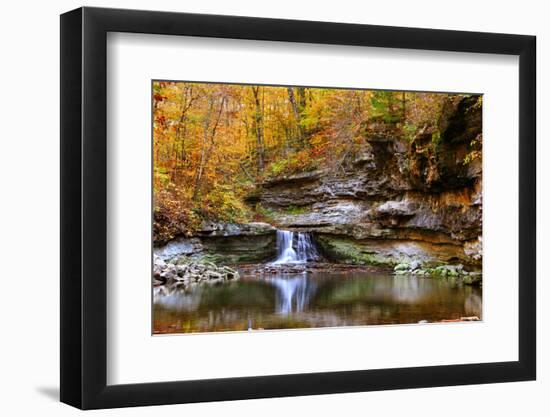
(257, 208)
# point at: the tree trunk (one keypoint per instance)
(207, 144)
(297, 117)
(187, 100)
(301, 100)
(258, 124)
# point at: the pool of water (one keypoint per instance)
(327, 299)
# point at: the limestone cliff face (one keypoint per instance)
(400, 200)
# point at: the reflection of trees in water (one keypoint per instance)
(297, 292)
(408, 290)
(316, 300)
(174, 299)
(206, 297)
(357, 289)
(473, 304)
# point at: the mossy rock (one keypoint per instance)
(235, 258)
(348, 251)
(402, 267)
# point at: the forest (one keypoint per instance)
(295, 207)
(215, 143)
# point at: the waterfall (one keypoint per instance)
(305, 248)
(301, 251)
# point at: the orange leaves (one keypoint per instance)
(158, 97)
(160, 120)
(213, 142)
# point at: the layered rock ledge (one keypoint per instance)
(402, 200)
(223, 243)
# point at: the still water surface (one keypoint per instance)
(327, 299)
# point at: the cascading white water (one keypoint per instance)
(289, 252)
(285, 252)
(305, 248)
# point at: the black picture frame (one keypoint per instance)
(84, 207)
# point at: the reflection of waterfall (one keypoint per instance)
(301, 251)
(293, 293)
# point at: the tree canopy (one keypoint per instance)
(213, 143)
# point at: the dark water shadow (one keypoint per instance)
(50, 392)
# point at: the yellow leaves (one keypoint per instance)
(224, 204)
(206, 171)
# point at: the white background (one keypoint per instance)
(29, 228)
(133, 353)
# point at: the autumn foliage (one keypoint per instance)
(213, 143)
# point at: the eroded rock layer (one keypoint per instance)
(224, 243)
(401, 200)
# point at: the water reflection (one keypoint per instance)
(312, 300)
(177, 300)
(293, 292)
